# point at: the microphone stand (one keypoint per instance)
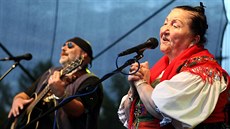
(119, 69)
(8, 71)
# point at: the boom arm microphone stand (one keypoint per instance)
(119, 69)
(14, 65)
(11, 68)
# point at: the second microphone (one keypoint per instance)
(151, 43)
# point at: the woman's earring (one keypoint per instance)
(193, 42)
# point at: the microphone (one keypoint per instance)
(151, 43)
(26, 56)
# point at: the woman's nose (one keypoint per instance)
(164, 30)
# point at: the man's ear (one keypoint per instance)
(86, 58)
(84, 54)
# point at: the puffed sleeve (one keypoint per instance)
(187, 99)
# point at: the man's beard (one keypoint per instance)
(65, 61)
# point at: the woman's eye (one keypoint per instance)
(176, 26)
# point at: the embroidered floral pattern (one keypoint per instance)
(140, 110)
(203, 66)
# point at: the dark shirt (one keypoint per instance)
(92, 103)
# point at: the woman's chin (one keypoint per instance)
(164, 48)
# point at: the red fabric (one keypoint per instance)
(131, 114)
(149, 125)
(171, 69)
(205, 67)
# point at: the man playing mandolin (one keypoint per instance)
(57, 85)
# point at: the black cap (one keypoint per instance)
(83, 44)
